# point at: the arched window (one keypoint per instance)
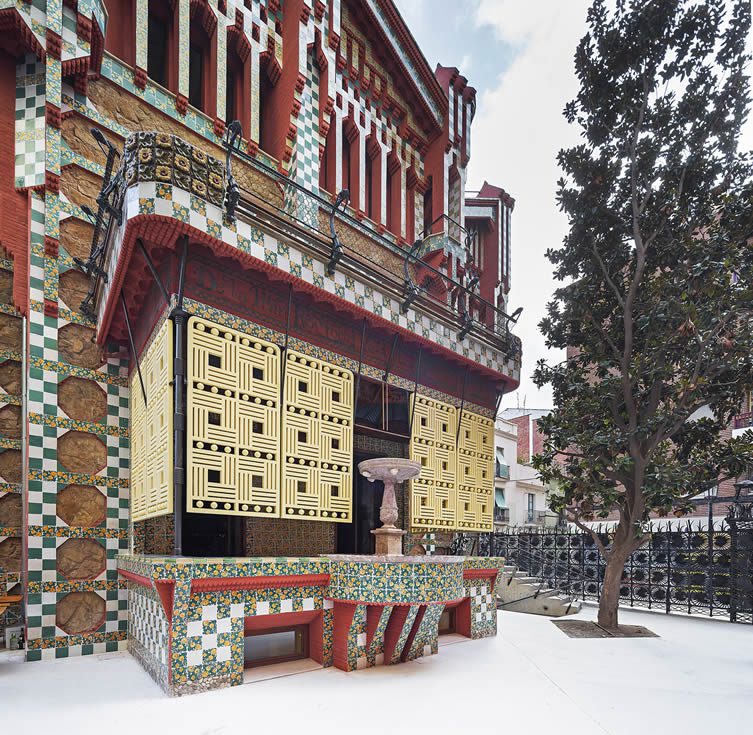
(161, 64)
(120, 34)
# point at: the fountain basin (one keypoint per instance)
(395, 580)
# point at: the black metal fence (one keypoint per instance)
(685, 569)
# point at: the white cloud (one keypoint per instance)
(517, 132)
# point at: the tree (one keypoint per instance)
(656, 271)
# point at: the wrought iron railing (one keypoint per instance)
(687, 569)
(502, 515)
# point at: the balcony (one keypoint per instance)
(536, 517)
(501, 515)
(502, 470)
(253, 210)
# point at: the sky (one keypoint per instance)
(518, 55)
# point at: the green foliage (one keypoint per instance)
(657, 267)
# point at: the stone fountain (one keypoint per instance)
(389, 538)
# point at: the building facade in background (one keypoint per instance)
(521, 497)
(239, 258)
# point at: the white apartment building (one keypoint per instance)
(520, 496)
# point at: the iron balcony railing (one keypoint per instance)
(536, 517)
(501, 515)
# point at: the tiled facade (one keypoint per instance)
(191, 640)
(75, 429)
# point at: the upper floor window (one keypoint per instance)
(120, 35)
(428, 208)
(237, 82)
(394, 195)
(160, 62)
(267, 119)
(202, 82)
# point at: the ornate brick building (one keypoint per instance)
(239, 258)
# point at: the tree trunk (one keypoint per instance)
(610, 590)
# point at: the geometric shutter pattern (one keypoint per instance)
(475, 498)
(233, 422)
(455, 490)
(151, 430)
(433, 493)
(317, 440)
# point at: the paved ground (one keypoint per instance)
(696, 678)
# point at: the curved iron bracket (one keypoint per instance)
(337, 249)
(109, 204)
(411, 290)
(231, 141)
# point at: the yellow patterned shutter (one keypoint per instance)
(233, 422)
(475, 473)
(433, 495)
(317, 472)
(151, 430)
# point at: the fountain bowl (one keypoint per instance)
(390, 469)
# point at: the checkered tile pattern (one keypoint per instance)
(484, 607)
(210, 636)
(30, 122)
(147, 623)
(73, 47)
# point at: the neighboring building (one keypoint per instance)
(521, 497)
(203, 334)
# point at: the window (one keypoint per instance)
(369, 186)
(410, 213)
(345, 157)
(428, 208)
(327, 162)
(275, 646)
(159, 43)
(531, 505)
(266, 111)
(394, 195)
(238, 81)
(202, 71)
(120, 36)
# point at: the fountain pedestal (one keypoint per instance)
(389, 538)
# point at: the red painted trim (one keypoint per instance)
(135, 578)
(147, 225)
(166, 591)
(463, 617)
(280, 620)
(217, 584)
(480, 573)
(343, 617)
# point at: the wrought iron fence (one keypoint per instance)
(687, 569)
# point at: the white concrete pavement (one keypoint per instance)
(696, 678)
